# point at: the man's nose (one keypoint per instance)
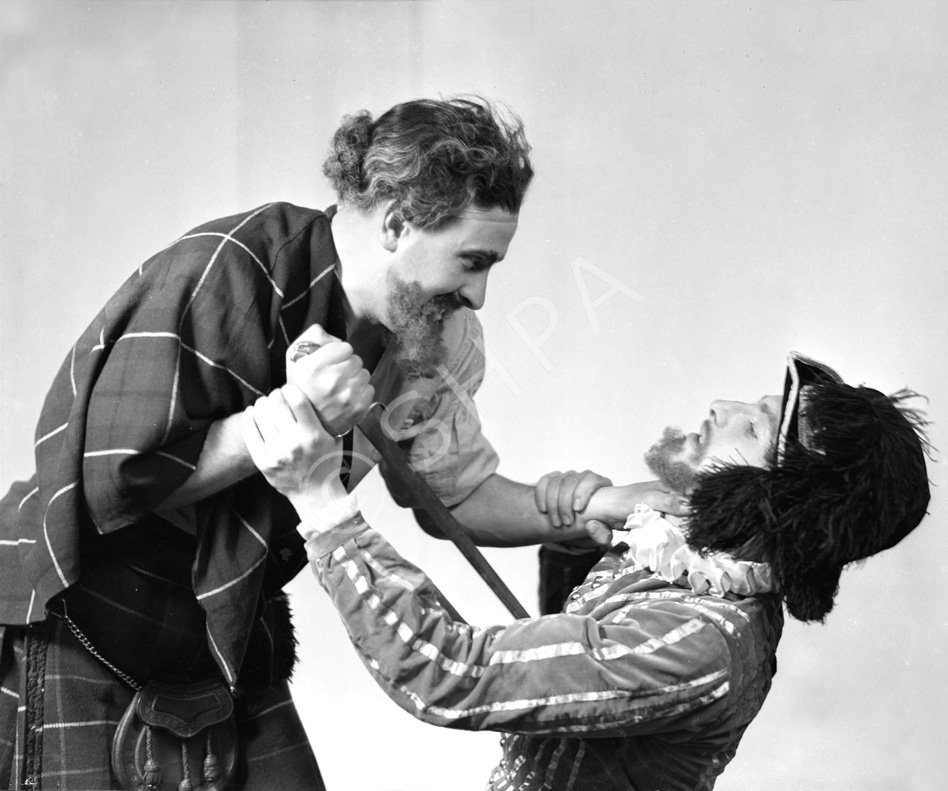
(474, 291)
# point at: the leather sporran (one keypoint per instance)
(177, 738)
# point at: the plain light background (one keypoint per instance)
(717, 183)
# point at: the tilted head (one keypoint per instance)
(439, 185)
(809, 481)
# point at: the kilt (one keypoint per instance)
(58, 699)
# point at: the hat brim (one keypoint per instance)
(802, 371)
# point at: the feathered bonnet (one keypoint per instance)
(848, 481)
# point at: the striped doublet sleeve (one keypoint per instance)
(652, 668)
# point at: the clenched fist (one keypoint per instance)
(332, 377)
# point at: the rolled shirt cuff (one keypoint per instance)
(321, 544)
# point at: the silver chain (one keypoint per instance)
(87, 644)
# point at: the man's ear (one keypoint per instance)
(394, 227)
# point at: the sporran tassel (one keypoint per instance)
(151, 776)
(185, 784)
(211, 767)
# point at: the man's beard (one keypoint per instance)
(414, 333)
(739, 536)
(664, 459)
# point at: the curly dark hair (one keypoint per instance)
(435, 158)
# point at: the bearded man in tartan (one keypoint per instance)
(147, 547)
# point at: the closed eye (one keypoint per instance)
(478, 260)
(474, 264)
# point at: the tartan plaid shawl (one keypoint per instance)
(198, 333)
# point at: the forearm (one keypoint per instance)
(224, 460)
(503, 513)
(613, 504)
(543, 675)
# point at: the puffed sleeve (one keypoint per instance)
(445, 443)
(663, 667)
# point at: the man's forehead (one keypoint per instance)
(493, 214)
(770, 403)
(770, 409)
(485, 233)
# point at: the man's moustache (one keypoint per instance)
(446, 304)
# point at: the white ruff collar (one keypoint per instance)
(656, 544)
